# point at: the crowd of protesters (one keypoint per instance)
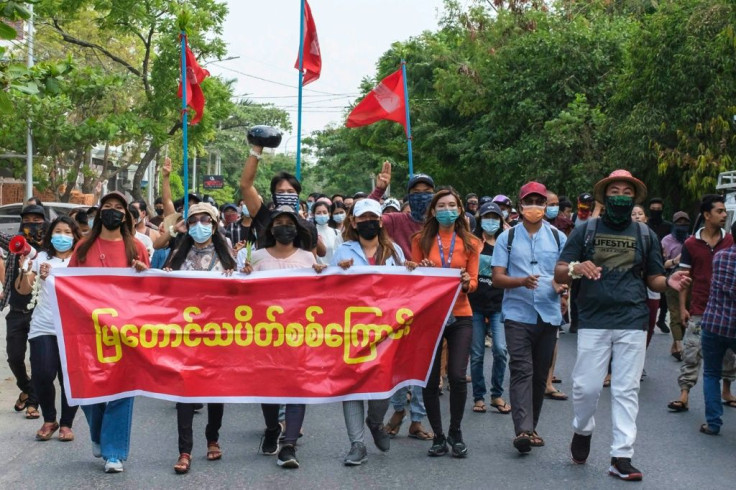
(529, 264)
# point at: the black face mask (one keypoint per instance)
(111, 219)
(33, 232)
(369, 229)
(284, 234)
(680, 232)
(160, 211)
(618, 211)
(655, 216)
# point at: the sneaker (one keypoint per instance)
(287, 457)
(96, 450)
(580, 448)
(488, 342)
(439, 446)
(622, 468)
(113, 465)
(270, 441)
(455, 440)
(357, 455)
(380, 438)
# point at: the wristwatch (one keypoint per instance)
(254, 153)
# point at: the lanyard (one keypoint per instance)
(442, 252)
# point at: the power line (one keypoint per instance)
(271, 81)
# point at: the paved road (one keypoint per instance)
(670, 450)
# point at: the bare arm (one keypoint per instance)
(501, 279)
(166, 188)
(247, 190)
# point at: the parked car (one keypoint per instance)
(10, 214)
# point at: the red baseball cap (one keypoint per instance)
(533, 188)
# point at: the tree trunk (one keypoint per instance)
(145, 162)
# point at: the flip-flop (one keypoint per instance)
(678, 406)
(504, 408)
(394, 423)
(677, 355)
(556, 380)
(479, 407)
(20, 403)
(556, 395)
(730, 403)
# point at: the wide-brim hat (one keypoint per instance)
(203, 208)
(599, 191)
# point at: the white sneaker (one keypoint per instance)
(113, 465)
(96, 450)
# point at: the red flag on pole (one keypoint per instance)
(312, 62)
(385, 101)
(195, 75)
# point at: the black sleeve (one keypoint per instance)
(261, 220)
(312, 231)
(655, 265)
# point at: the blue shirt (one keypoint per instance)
(535, 255)
(353, 250)
(720, 314)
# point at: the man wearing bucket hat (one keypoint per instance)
(616, 259)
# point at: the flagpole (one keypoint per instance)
(299, 109)
(185, 143)
(408, 120)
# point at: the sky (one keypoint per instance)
(353, 34)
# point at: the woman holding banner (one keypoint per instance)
(286, 246)
(368, 244)
(59, 243)
(445, 240)
(204, 248)
(111, 243)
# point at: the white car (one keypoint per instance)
(10, 214)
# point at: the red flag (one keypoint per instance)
(312, 62)
(385, 101)
(195, 75)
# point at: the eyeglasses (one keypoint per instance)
(205, 220)
(472, 202)
(534, 202)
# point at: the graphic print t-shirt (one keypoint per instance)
(618, 299)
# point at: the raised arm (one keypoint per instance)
(166, 188)
(247, 179)
(382, 182)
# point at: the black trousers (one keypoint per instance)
(294, 419)
(459, 336)
(46, 368)
(18, 324)
(530, 347)
(185, 418)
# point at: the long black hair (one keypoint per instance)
(50, 250)
(335, 206)
(303, 238)
(179, 255)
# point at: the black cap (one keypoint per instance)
(586, 197)
(230, 206)
(417, 178)
(484, 200)
(194, 197)
(490, 207)
(33, 209)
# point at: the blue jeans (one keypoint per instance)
(478, 351)
(713, 348)
(416, 408)
(109, 426)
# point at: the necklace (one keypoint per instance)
(102, 256)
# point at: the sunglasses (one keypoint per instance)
(205, 220)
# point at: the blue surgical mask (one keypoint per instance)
(339, 218)
(552, 212)
(490, 225)
(310, 204)
(418, 204)
(91, 222)
(62, 243)
(446, 217)
(244, 210)
(321, 219)
(200, 232)
(505, 214)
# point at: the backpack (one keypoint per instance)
(512, 232)
(642, 230)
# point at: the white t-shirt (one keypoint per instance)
(42, 321)
(332, 239)
(145, 240)
(261, 260)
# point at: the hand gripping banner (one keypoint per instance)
(280, 336)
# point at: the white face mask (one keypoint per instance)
(339, 218)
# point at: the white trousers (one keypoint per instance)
(626, 349)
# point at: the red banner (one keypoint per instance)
(280, 336)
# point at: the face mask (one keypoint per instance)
(490, 225)
(284, 234)
(287, 199)
(32, 232)
(552, 212)
(339, 218)
(91, 222)
(418, 204)
(583, 212)
(618, 211)
(321, 219)
(244, 210)
(446, 217)
(505, 214)
(655, 216)
(112, 219)
(532, 214)
(61, 243)
(310, 205)
(140, 219)
(680, 232)
(231, 218)
(200, 232)
(369, 229)
(159, 211)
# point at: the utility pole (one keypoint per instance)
(29, 132)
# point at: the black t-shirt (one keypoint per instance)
(618, 300)
(487, 298)
(662, 229)
(237, 232)
(263, 218)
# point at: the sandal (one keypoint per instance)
(523, 443)
(183, 463)
(555, 395)
(416, 431)
(536, 441)
(479, 406)
(503, 408)
(706, 430)
(678, 406)
(21, 402)
(677, 355)
(213, 451)
(46, 431)
(66, 434)
(32, 412)
(556, 380)
(394, 423)
(730, 403)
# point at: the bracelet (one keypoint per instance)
(172, 231)
(254, 153)
(571, 272)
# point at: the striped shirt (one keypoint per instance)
(720, 314)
